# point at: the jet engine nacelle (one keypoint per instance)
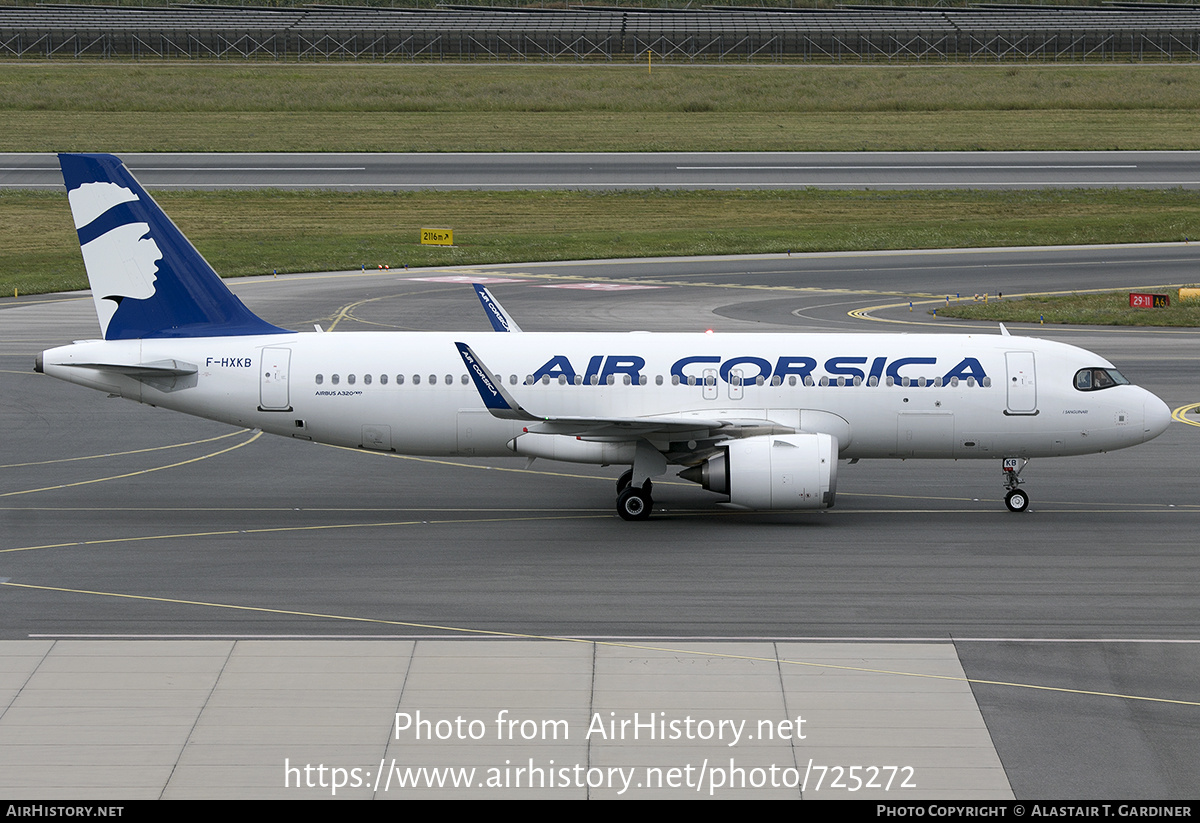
(787, 471)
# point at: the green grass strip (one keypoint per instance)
(360, 87)
(1089, 309)
(1149, 130)
(255, 232)
(204, 106)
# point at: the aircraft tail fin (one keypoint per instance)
(147, 279)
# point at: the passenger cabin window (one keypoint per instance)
(320, 379)
(1097, 379)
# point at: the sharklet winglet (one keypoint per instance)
(497, 401)
(500, 319)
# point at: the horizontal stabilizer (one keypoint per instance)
(159, 368)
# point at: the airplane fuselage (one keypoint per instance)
(881, 396)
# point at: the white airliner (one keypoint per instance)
(760, 419)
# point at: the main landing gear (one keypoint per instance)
(633, 499)
(633, 503)
(1016, 500)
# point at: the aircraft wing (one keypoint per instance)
(632, 428)
(677, 427)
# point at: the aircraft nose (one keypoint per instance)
(1156, 416)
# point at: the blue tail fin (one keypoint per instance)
(147, 279)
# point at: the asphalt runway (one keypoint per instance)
(1077, 621)
(668, 170)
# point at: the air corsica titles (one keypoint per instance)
(601, 367)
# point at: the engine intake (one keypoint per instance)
(788, 472)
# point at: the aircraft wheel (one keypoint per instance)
(1016, 500)
(634, 504)
(624, 480)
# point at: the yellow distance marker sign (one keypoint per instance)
(437, 237)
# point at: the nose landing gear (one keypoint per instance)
(1016, 500)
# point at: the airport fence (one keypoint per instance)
(851, 34)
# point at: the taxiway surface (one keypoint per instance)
(617, 170)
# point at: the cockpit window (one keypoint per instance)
(1096, 379)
